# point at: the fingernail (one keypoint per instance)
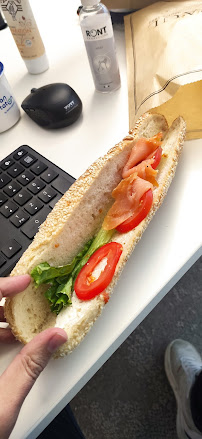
(56, 341)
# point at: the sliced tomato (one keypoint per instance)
(156, 155)
(86, 287)
(139, 214)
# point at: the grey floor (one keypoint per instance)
(129, 397)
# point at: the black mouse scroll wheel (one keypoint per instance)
(33, 90)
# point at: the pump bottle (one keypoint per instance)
(98, 36)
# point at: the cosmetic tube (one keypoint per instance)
(22, 24)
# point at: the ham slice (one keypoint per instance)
(127, 197)
(141, 150)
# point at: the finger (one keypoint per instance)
(2, 318)
(6, 335)
(19, 377)
(9, 286)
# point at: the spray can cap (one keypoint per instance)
(90, 2)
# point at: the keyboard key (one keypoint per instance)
(31, 228)
(19, 154)
(7, 163)
(36, 186)
(22, 197)
(2, 261)
(3, 199)
(19, 218)
(15, 170)
(54, 201)
(49, 175)
(25, 178)
(47, 194)
(28, 160)
(38, 167)
(12, 188)
(4, 179)
(62, 185)
(33, 206)
(8, 209)
(11, 248)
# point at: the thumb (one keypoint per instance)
(19, 377)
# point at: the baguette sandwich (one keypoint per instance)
(86, 231)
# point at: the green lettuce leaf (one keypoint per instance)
(44, 273)
(59, 295)
(62, 279)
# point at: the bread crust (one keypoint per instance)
(28, 313)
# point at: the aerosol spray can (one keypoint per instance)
(96, 26)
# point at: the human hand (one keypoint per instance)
(21, 374)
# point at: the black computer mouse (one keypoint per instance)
(53, 106)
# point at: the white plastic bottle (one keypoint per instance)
(98, 35)
(22, 24)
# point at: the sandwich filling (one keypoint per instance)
(133, 200)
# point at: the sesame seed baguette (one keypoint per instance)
(76, 217)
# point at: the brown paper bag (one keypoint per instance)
(164, 62)
(129, 4)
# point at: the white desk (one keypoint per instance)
(172, 242)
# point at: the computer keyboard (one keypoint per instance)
(30, 185)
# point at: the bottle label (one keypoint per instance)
(9, 111)
(24, 29)
(101, 28)
(100, 46)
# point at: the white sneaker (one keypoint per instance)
(182, 364)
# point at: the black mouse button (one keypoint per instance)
(54, 95)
